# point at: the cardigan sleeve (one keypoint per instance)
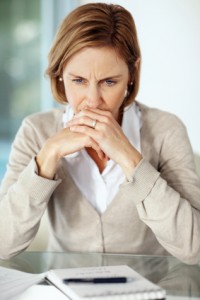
(23, 194)
(168, 199)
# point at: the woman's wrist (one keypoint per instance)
(46, 163)
(130, 162)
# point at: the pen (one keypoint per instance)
(98, 280)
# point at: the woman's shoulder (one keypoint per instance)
(158, 119)
(42, 124)
(51, 118)
(45, 116)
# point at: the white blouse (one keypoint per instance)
(100, 188)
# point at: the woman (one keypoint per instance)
(115, 175)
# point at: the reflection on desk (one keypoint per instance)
(176, 278)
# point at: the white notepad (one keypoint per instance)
(40, 292)
(139, 288)
(13, 282)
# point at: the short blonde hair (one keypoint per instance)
(95, 25)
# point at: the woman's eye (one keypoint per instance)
(110, 82)
(78, 80)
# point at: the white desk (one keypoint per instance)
(181, 281)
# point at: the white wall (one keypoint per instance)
(169, 35)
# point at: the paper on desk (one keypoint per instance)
(41, 292)
(138, 288)
(13, 282)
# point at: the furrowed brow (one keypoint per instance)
(102, 79)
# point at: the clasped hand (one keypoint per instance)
(107, 139)
(107, 133)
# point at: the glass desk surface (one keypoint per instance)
(178, 279)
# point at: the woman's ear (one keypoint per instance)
(137, 63)
(132, 71)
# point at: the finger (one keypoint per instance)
(82, 120)
(100, 153)
(90, 143)
(99, 111)
(89, 131)
(93, 135)
(96, 114)
(104, 115)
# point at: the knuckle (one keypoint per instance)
(102, 135)
(80, 120)
(81, 129)
(104, 128)
(109, 114)
(107, 119)
(88, 140)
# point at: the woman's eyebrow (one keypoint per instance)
(112, 77)
(106, 78)
(74, 75)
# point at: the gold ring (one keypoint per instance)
(94, 123)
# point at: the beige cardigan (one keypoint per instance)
(157, 213)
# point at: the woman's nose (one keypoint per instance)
(93, 97)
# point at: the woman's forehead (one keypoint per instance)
(92, 58)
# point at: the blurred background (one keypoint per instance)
(169, 35)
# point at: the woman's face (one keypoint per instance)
(96, 78)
